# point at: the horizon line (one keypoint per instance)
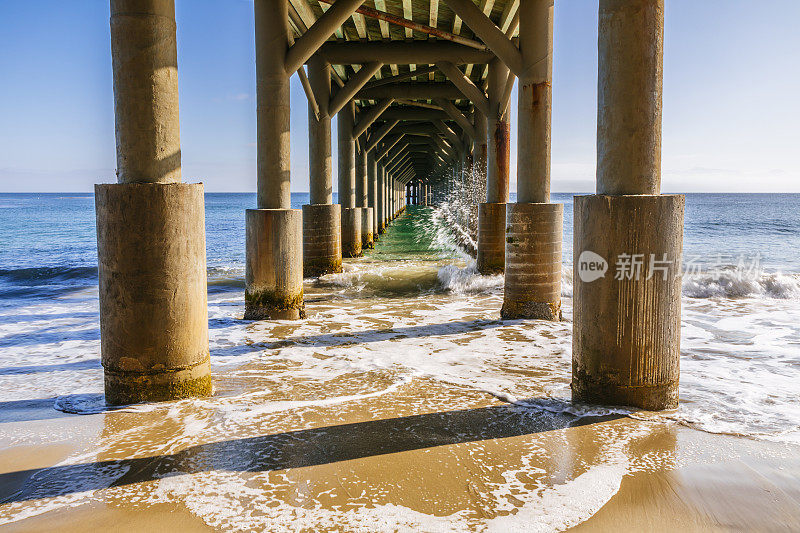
(513, 192)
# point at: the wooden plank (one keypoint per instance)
(508, 14)
(408, 13)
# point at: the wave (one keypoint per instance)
(468, 280)
(730, 283)
(220, 276)
(46, 275)
(736, 284)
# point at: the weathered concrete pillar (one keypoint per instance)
(381, 201)
(362, 200)
(351, 214)
(372, 182)
(367, 232)
(387, 213)
(351, 232)
(533, 231)
(492, 214)
(153, 309)
(362, 189)
(322, 236)
(391, 191)
(480, 151)
(274, 270)
(274, 267)
(628, 237)
(387, 210)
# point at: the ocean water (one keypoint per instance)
(410, 324)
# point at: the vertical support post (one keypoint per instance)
(392, 210)
(322, 239)
(626, 330)
(362, 200)
(372, 180)
(534, 225)
(480, 151)
(389, 211)
(351, 215)
(492, 214)
(153, 309)
(381, 201)
(274, 268)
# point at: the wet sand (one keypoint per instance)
(433, 471)
(392, 408)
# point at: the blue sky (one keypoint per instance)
(731, 106)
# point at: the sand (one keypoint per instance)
(393, 407)
(493, 467)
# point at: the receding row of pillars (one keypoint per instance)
(417, 193)
(151, 237)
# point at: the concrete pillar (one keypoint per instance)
(480, 151)
(347, 157)
(628, 237)
(389, 210)
(362, 200)
(391, 191)
(492, 214)
(367, 231)
(322, 238)
(372, 181)
(631, 41)
(153, 309)
(274, 268)
(351, 232)
(381, 205)
(399, 197)
(387, 185)
(351, 214)
(533, 232)
(362, 189)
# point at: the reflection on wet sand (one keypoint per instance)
(414, 409)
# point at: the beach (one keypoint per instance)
(403, 402)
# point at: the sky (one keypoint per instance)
(731, 106)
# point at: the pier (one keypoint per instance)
(420, 99)
(399, 266)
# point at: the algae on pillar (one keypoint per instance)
(533, 224)
(274, 262)
(153, 308)
(492, 213)
(351, 215)
(626, 329)
(322, 237)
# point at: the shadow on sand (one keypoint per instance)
(302, 448)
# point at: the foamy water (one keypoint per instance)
(423, 334)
